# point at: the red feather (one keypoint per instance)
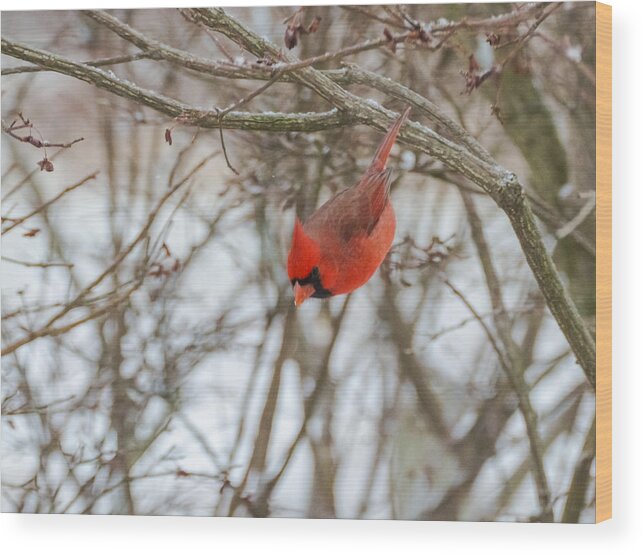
(345, 240)
(304, 252)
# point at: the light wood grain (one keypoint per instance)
(603, 262)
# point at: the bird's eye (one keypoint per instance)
(313, 277)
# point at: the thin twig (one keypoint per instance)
(578, 219)
(38, 143)
(238, 104)
(115, 60)
(53, 331)
(476, 315)
(19, 221)
(225, 152)
(551, 8)
(50, 329)
(310, 405)
(514, 363)
(582, 67)
(37, 264)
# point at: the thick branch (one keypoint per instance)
(355, 74)
(558, 299)
(367, 112)
(159, 50)
(188, 114)
(352, 73)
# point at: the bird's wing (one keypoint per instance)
(374, 190)
(356, 210)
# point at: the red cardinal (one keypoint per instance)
(342, 244)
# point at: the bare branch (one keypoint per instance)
(50, 330)
(33, 141)
(189, 114)
(551, 8)
(114, 60)
(515, 366)
(19, 221)
(28, 264)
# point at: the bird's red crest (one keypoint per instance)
(304, 253)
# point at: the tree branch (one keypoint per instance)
(190, 115)
(581, 478)
(515, 363)
(16, 222)
(115, 60)
(52, 331)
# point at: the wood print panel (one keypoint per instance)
(197, 319)
(604, 267)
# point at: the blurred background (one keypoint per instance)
(156, 362)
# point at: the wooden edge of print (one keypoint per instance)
(603, 262)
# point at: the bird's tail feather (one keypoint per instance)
(381, 156)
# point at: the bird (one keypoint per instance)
(341, 245)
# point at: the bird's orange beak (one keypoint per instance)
(302, 292)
